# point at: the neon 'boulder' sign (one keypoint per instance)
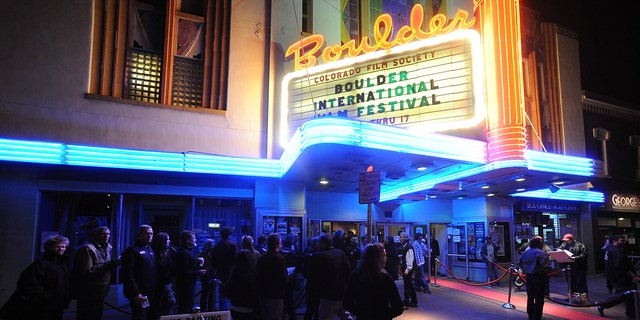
(305, 50)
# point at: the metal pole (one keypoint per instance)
(369, 224)
(508, 305)
(435, 275)
(569, 282)
(636, 303)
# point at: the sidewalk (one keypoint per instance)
(455, 299)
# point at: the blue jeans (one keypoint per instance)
(492, 272)
(420, 281)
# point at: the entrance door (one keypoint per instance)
(389, 229)
(457, 249)
(439, 232)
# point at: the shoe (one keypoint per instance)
(413, 304)
(427, 291)
(600, 310)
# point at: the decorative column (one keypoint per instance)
(500, 32)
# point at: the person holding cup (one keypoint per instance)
(188, 268)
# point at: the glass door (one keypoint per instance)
(457, 249)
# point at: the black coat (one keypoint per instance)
(241, 288)
(271, 275)
(224, 255)
(330, 268)
(43, 292)
(372, 297)
(139, 271)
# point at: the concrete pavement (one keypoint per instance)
(457, 299)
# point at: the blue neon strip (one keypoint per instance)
(215, 164)
(370, 135)
(31, 151)
(471, 154)
(563, 194)
(430, 181)
(551, 162)
(123, 158)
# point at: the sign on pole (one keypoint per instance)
(369, 189)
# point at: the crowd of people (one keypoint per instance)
(620, 273)
(342, 276)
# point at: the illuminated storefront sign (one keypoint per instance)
(427, 85)
(623, 202)
(305, 50)
(549, 206)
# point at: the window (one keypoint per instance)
(162, 52)
(359, 16)
(307, 18)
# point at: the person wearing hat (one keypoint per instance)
(579, 266)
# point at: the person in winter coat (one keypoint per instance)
(44, 287)
(138, 274)
(188, 270)
(371, 292)
(91, 274)
(241, 288)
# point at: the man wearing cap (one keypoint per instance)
(579, 265)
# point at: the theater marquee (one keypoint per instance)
(428, 85)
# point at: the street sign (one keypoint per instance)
(369, 189)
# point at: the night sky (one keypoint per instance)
(609, 40)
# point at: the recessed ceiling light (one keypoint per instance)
(521, 179)
(520, 189)
(324, 181)
(491, 194)
(485, 187)
(421, 166)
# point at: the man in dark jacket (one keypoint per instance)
(271, 279)
(489, 252)
(434, 253)
(330, 268)
(187, 272)
(139, 274)
(223, 256)
(580, 263)
(619, 270)
(92, 274)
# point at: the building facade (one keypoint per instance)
(199, 114)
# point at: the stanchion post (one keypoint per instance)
(569, 284)
(636, 303)
(435, 275)
(508, 305)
